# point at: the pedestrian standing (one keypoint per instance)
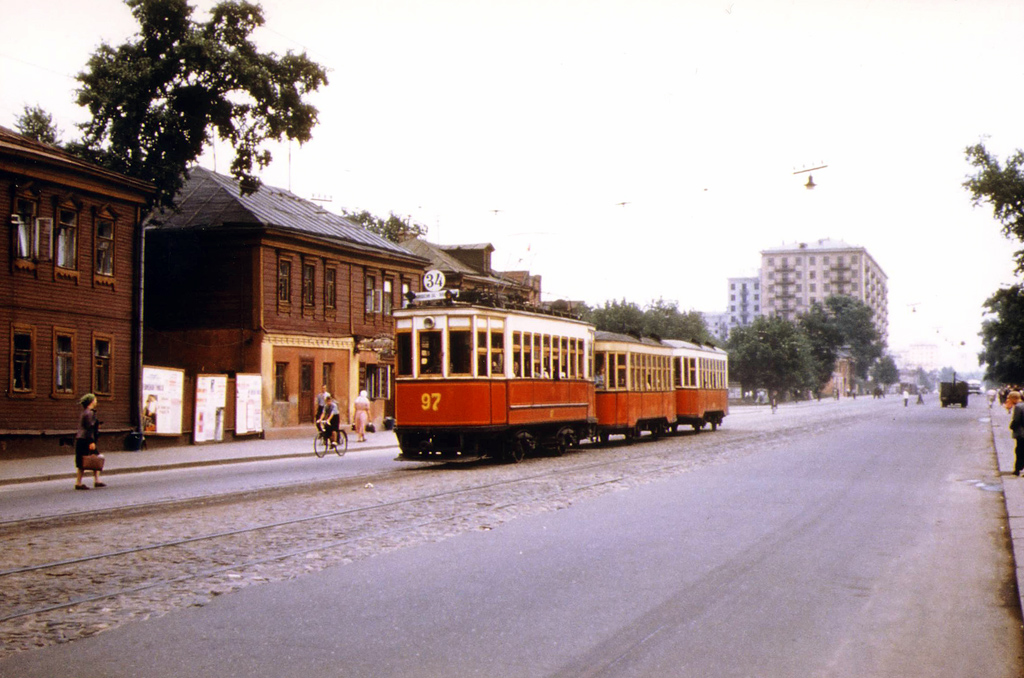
(906, 398)
(85, 440)
(362, 407)
(1017, 429)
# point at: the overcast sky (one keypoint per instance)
(637, 149)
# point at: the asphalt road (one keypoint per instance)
(877, 548)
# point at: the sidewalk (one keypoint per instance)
(1013, 489)
(62, 466)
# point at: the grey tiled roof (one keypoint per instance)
(209, 200)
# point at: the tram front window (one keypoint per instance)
(460, 352)
(404, 350)
(430, 352)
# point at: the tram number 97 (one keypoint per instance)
(430, 401)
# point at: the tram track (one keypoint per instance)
(402, 514)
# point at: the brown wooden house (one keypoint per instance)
(273, 284)
(69, 294)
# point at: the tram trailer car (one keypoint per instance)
(475, 381)
(633, 384)
(701, 377)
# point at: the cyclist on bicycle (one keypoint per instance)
(330, 419)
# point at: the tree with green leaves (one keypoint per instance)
(854, 321)
(394, 228)
(157, 99)
(624, 317)
(664, 319)
(1002, 187)
(819, 326)
(885, 372)
(771, 353)
(36, 123)
(1002, 336)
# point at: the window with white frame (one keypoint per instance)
(378, 382)
(105, 247)
(67, 238)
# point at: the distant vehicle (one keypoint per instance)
(974, 386)
(953, 393)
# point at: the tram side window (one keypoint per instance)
(545, 361)
(691, 370)
(538, 357)
(403, 343)
(599, 371)
(430, 352)
(497, 354)
(460, 352)
(528, 355)
(621, 371)
(557, 364)
(481, 354)
(517, 354)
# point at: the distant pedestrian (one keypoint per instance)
(920, 398)
(362, 407)
(906, 398)
(1017, 429)
(86, 439)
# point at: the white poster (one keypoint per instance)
(162, 393)
(248, 403)
(211, 398)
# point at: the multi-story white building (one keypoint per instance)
(793, 277)
(744, 301)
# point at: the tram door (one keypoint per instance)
(306, 387)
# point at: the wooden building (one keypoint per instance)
(273, 284)
(69, 294)
(468, 268)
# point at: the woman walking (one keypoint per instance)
(85, 441)
(362, 406)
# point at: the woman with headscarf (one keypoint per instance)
(85, 441)
(362, 407)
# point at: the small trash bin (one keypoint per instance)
(389, 423)
(134, 441)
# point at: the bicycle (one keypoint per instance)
(322, 443)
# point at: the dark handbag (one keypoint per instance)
(93, 462)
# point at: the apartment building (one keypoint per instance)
(795, 276)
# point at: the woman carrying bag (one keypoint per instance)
(85, 444)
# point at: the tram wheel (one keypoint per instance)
(603, 438)
(519, 447)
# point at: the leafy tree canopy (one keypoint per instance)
(854, 321)
(885, 371)
(661, 319)
(35, 123)
(1002, 336)
(771, 353)
(1002, 186)
(394, 228)
(824, 338)
(156, 99)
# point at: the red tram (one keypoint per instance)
(701, 379)
(633, 381)
(475, 381)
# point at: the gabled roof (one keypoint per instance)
(211, 200)
(438, 257)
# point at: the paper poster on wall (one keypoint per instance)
(211, 398)
(248, 403)
(162, 393)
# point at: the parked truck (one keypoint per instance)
(953, 393)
